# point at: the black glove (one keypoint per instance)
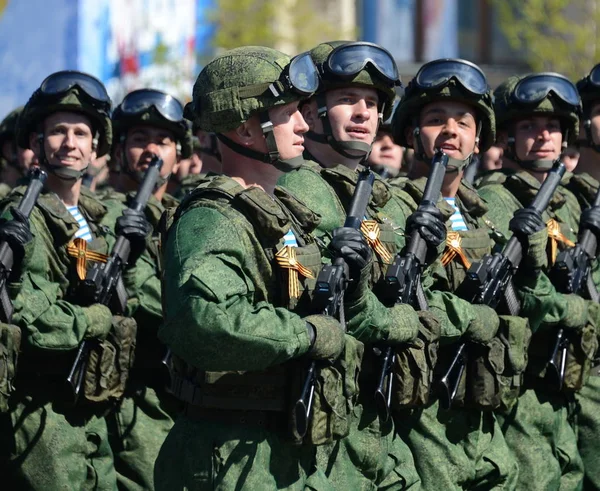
(526, 222)
(134, 226)
(429, 222)
(590, 220)
(349, 244)
(17, 233)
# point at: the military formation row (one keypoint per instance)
(293, 320)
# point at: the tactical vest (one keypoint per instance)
(561, 217)
(583, 186)
(289, 276)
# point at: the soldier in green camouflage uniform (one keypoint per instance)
(147, 123)
(240, 267)
(584, 185)
(51, 439)
(537, 116)
(448, 106)
(372, 456)
(14, 160)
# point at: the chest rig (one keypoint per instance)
(378, 228)
(583, 186)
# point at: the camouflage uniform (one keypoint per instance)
(236, 314)
(543, 418)
(8, 130)
(144, 417)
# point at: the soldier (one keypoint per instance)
(14, 160)
(146, 124)
(537, 116)
(386, 156)
(448, 106)
(240, 266)
(58, 441)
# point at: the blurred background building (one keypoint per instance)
(163, 43)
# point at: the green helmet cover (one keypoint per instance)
(151, 117)
(39, 107)
(235, 85)
(508, 110)
(9, 125)
(415, 99)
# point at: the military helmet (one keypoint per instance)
(248, 80)
(9, 125)
(349, 63)
(69, 91)
(154, 108)
(589, 88)
(548, 93)
(446, 80)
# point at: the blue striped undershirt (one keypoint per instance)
(456, 220)
(289, 239)
(84, 229)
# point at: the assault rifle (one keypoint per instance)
(403, 280)
(104, 282)
(328, 297)
(489, 282)
(37, 178)
(571, 274)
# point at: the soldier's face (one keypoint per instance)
(288, 128)
(595, 120)
(538, 138)
(450, 126)
(68, 140)
(143, 142)
(386, 152)
(353, 114)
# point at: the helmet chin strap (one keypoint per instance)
(273, 156)
(540, 166)
(454, 165)
(64, 173)
(342, 147)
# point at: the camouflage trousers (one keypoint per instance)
(371, 457)
(539, 431)
(208, 455)
(457, 449)
(137, 429)
(588, 431)
(48, 447)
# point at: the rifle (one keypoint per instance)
(104, 281)
(37, 178)
(328, 297)
(490, 282)
(403, 280)
(571, 274)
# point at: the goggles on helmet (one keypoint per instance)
(347, 60)
(535, 88)
(61, 82)
(142, 100)
(438, 73)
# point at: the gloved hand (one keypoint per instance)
(17, 233)
(530, 229)
(590, 220)
(526, 222)
(350, 245)
(134, 226)
(327, 337)
(429, 222)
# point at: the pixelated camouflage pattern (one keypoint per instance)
(9, 125)
(219, 101)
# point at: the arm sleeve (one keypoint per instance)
(213, 319)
